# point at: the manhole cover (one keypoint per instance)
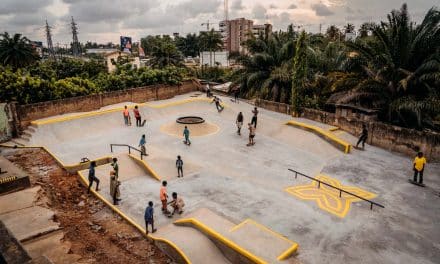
(188, 120)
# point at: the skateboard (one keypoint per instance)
(143, 123)
(250, 144)
(416, 183)
(184, 142)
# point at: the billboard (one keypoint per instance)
(38, 46)
(126, 44)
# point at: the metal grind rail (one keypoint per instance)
(339, 189)
(129, 149)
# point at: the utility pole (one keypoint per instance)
(76, 49)
(49, 42)
(226, 7)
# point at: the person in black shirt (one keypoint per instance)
(179, 166)
(239, 123)
(92, 177)
(363, 136)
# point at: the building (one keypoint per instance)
(237, 31)
(112, 57)
(264, 30)
(218, 58)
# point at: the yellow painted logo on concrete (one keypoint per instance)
(328, 198)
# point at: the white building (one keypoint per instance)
(218, 58)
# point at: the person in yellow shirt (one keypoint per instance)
(419, 166)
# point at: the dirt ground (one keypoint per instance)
(94, 231)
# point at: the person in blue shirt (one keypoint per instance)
(149, 219)
(92, 177)
(186, 134)
(142, 143)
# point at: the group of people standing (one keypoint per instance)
(137, 116)
(252, 126)
(114, 180)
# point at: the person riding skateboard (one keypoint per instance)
(142, 143)
(363, 137)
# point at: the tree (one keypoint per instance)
(189, 45)
(349, 28)
(165, 53)
(16, 51)
(333, 33)
(365, 29)
(401, 68)
(211, 41)
(299, 74)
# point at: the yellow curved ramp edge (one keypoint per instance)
(117, 109)
(210, 232)
(133, 223)
(287, 253)
(335, 141)
(146, 167)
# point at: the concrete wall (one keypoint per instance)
(393, 138)
(31, 112)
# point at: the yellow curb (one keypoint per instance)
(324, 133)
(147, 167)
(130, 221)
(210, 232)
(287, 253)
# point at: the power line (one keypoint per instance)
(49, 42)
(75, 43)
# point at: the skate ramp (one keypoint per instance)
(247, 242)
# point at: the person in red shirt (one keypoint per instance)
(164, 197)
(137, 115)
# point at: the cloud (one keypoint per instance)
(321, 9)
(22, 7)
(281, 21)
(273, 6)
(259, 12)
(292, 6)
(237, 5)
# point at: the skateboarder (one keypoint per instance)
(179, 166)
(251, 134)
(419, 166)
(239, 123)
(177, 204)
(92, 177)
(254, 117)
(217, 100)
(126, 115)
(186, 134)
(363, 136)
(164, 197)
(137, 115)
(208, 91)
(142, 143)
(149, 217)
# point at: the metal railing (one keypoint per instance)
(339, 189)
(129, 149)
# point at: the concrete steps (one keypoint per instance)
(18, 142)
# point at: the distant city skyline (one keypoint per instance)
(104, 21)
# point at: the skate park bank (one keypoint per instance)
(239, 208)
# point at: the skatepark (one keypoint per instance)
(242, 201)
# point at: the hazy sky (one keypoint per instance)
(105, 20)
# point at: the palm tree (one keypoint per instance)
(365, 29)
(401, 67)
(211, 41)
(299, 74)
(349, 28)
(165, 54)
(333, 33)
(188, 45)
(16, 51)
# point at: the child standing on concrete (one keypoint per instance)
(363, 137)
(186, 134)
(137, 115)
(419, 166)
(239, 123)
(254, 118)
(164, 197)
(149, 217)
(114, 182)
(179, 166)
(92, 177)
(251, 134)
(126, 115)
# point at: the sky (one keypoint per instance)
(104, 21)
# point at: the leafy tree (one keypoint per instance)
(165, 53)
(189, 45)
(349, 28)
(333, 33)
(211, 41)
(299, 74)
(16, 51)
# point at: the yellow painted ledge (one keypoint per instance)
(215, 235)
(132, 222)
(287, 253)
(117, 109)
(327, 135)
(145, 166)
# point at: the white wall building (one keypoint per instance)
(218, 58)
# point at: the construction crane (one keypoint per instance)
(207, 25)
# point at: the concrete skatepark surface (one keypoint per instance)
(239, 182)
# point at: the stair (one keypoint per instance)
(19, 142)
